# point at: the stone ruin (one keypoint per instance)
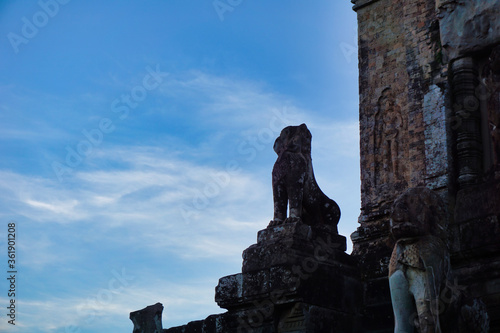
(297, 277)
(429, 81)
(148, 319)
(431, 67)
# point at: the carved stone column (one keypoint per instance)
(466, 121)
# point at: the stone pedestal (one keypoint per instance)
(295, 278)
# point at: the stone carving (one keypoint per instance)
(468, 121)
(420, 263)
(388, 125)
(468, 26)
(423, 292)
(294, 183)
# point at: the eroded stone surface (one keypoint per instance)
(290, 261)
(291, 243)
(468, 26)
(420, 264)
(420, 275)
(432, 67)
(296, 278)
(148, 320)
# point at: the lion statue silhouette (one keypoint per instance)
(294, 184)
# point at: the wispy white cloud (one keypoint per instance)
(58, 207)
(230, 101)
(150, 190)
(37, 198)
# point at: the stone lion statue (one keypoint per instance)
(294, 183)
(425, 298)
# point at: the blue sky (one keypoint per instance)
(136, 141)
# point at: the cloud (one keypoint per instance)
(37, 198)
(108, 303)
(150, 189)
(230, 102)
(338, 139)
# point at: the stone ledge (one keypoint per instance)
(292, 244)
(294, 262)
(358, 4)
(301, 231)
(329, 287)
(296, 317)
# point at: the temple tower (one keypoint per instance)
(429, 108)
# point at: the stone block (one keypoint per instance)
(468, 26)
(148, 320)
(293, 263)
(292, 244)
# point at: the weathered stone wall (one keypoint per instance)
(429, 81)
(470, 33)
(468, 26)
(402, 104)
(403, 136)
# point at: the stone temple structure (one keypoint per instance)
(429, 115)
(429, 85)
